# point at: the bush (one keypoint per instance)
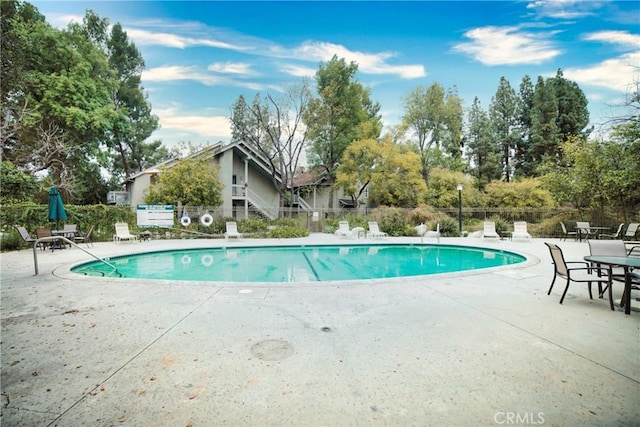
(448, 226)
(288, 232)
(423, 214)
(391, 220)
(11, 241)
(31, 216)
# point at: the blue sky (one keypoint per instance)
(201, 55)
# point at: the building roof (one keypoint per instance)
(315, 176)
(212, 151)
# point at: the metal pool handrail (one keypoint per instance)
(64, 239)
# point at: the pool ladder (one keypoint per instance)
(63, 239)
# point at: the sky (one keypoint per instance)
(200, 56)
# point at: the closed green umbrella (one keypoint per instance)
(56, 206)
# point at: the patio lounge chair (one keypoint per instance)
(583, 274)
(122, 233)
(583, 229)
(86, 238)
(609, 248)
(424, 232)
(632, 229)
(374, 230)
(489, 231)
(617, 235)
(25, 235)
(69, 231)
(232, 230)
(343, 229)
(520, 231)
(566, 233)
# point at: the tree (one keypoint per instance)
(132, 121)
(390, 171)
(358, 167)
(502, 113)
(545, 138)
(334, 118)
(572, 104)
(442, 189)
(273, 126)
(482, 153)
(525, 193)
(17, 186)
(523, 163)
(434, 118)
(191, 181)
(62, 99)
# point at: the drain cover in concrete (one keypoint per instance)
(272, 350)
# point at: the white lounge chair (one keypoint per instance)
(489, 231)
(566, 233)
(232, 230)
(374, 230)
(343, 229)
(520, 231)
(434, 233)
(583, 229)
(122, 233)
(424, 232)
(630, 233)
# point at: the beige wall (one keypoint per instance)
(138, 189)
(229, 164)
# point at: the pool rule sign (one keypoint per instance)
(154, 215)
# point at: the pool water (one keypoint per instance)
(286, 264)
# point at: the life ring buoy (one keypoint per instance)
(185, 221)
(186, 259)
(207, 260)
(206, 220)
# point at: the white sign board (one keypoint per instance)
(154, 215)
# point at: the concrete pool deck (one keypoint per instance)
(488, 347)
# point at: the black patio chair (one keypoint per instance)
(583, 274)
(566, 233)
(86, 238)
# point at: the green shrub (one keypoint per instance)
(288, 232)
(448, 226)
(10, 241)
(391, 220)
(423, 214)
(252, 225)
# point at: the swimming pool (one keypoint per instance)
(287, 264)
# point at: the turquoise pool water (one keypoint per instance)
(286, 264)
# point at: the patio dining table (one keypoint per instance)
(59, 244)
(627, 263)
(583, 232)
(598, 230)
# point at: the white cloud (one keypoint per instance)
(621, 38)
(172, 73)
(232, 68)
(368, 63)
(207, 126)
(616, 74)
(313, 51)
(144, 37)
(175, 73)
(298, 70)
(507, 46)
(566, 9)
